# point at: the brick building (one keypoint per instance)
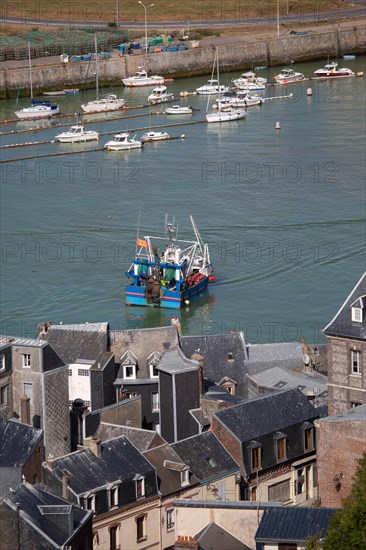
(346, 336)
(341, 440)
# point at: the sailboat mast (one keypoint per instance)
(30, 71)
(96, 67)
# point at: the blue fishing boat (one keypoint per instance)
(167, 272)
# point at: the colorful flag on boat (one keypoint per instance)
(141, 242)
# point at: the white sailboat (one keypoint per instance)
(38, 109)
(109, 102)
(223, 113)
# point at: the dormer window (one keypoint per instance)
(129, 365)
(184, 477)
(255, 455)
(153, 360)
(280, 439)
(140, 486)
(113, 496)
(89, 502)
(230, 356)
(357, 315)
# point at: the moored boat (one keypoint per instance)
(331, 70)
(178, 110)
(249, 81)
(160, 94)
(122, 142)
(286, 76)
(238, 99)
(154, 136)
(142, 78)
(109, 102)
(212, 87)
(76, 134)
(225, 114)
(167, 272)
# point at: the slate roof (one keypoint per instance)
(214, 536)
(141, 439)
(31, 497)
(206, 457)
(293, 523)
(264, 415)
(277, 378)
(342, 324)
(356, 414)
(78, 341)
(174, 361)
(119, 460)
(142, 343)
(263, 356)
(17, 442)
(223, 354)
(168, 466)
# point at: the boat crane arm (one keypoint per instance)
(196, 232)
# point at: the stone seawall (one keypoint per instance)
(56, 75)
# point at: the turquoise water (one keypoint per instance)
(282, 210)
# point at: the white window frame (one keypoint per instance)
(3, 394)
(355, 361)
(89, 502)
(26, 360)
(155, 403)
(152, 367)
(129, 366)
(143, 488)
(113, 497)
(357, 314)
(184, 477)
(170, 518)
(2, 362)
(83, 372)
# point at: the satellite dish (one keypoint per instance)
(306, 359)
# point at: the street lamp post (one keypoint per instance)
(145, 8)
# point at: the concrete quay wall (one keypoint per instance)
(54, 75)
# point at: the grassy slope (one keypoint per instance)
(185, 10)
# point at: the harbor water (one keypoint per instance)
(283, 210)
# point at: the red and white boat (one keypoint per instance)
(331, 70)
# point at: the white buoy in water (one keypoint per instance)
(214, 106)
(187, 302)
(360, 73)
(278, 125)
(309, 91)
(182, 136)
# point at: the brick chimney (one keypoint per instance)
(25, 416)
(93, 444)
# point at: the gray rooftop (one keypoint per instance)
(285, 354)
(214, 536)
(174, 361)
(17, 442)
(141, 439)
(265, 415)
(206, 456)
(293, 524)
(119, 461)
(35, 502)
(342, 324)
(357, 414)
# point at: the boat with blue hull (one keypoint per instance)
(169, 278)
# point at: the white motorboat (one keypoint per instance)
(76, 134)
(122, 142)
(38, 109)
(287, 76)
(178, 110)
(212, 87)
(154, 136)
(225, 114)
(249, 81)
(238, 99)
(331, 70)
(109, 102)
(160, 94)
(142, 78)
